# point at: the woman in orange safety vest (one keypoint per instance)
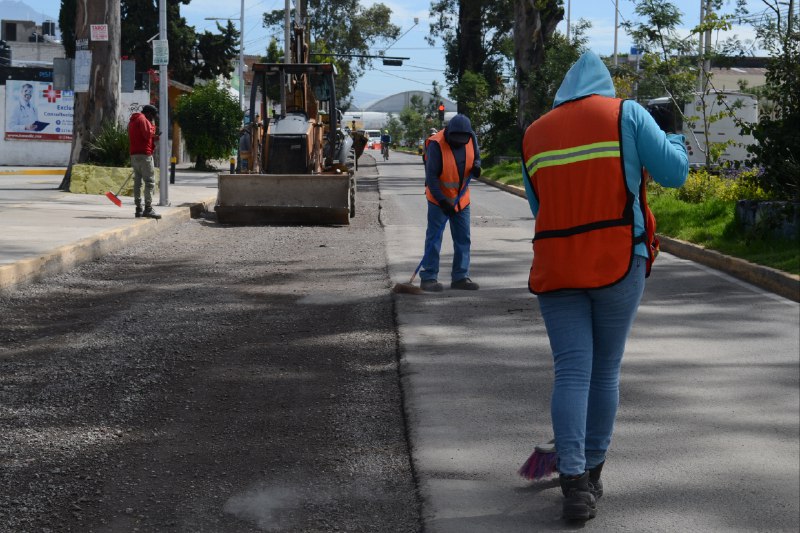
(582, 166)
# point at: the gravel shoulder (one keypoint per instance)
(213, 378)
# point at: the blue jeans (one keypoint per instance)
(587, 331)
(459, 229)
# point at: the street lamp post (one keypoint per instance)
(241, 52)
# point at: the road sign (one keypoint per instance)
(160, 52)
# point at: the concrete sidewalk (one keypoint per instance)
(47, 231)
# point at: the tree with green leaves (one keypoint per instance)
(344, 28)
(415, 121)
(215, 52)
(210, 120)
(668, 62)
(559, 55)
(535, 23)
(778, 148)
(478, 45)
(100, 103)
(192, 55)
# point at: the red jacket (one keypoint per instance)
(141, 133)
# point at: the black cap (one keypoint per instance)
(150, 110)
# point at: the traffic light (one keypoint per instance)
(441, 111)
(392, 62)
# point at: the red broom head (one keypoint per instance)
(113, 197)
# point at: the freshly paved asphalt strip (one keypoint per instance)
(707, 432)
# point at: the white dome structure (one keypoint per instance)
(375, 114)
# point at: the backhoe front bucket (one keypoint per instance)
(284, 198)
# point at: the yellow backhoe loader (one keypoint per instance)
(301, 169)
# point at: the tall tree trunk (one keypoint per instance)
(533, 27)
(471, 52)
(101, 102)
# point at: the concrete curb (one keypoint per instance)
(34, 172)
(770, 279)
(65, 257)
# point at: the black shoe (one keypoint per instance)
(149, 213)
(431, 285)
(138, 212)
(595, 484)
(579, 503)
(465, 284)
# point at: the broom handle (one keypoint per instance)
(125, 183)
(441, 229)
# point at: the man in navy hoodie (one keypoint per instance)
(451, 156)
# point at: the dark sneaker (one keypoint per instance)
(431, 285)
(595, 484)
(138, 212)
(579, 503)
(149, 213)
(465, 284)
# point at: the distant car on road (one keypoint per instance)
(373, 139)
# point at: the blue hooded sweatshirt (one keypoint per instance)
(643, 142)
(433, 158)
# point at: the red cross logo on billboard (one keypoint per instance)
(51, 94)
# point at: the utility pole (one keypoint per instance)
(163, 111)
(240, 70)
(241, 58)
(616, 30)
(569, 8)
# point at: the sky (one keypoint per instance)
(426, 63)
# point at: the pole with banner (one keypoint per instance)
(162, 60)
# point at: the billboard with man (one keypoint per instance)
(37, 111)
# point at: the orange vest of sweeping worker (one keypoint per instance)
(584, 229)
(450, 182)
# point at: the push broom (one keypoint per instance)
(115, 197)
(410, 288)
(541, 463)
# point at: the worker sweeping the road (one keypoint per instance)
(583, 172)
(452, 155)
(142, 135)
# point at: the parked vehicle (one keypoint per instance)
(373, 139)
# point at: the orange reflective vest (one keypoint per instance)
(449, 181)
(584, 229)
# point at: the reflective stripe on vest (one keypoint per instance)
(449, 181)
(584, 228)
(572, 155)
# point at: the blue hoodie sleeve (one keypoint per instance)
(645, 145)
(533, 202)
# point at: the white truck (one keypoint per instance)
(735, 108)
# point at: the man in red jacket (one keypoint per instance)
(142, 135)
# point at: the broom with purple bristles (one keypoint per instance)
(541, 463)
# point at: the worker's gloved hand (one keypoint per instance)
(663, 117)
(448, 209)
(476, 172)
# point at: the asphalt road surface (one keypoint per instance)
(212, 379)
(707, 432)
(236, 379)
